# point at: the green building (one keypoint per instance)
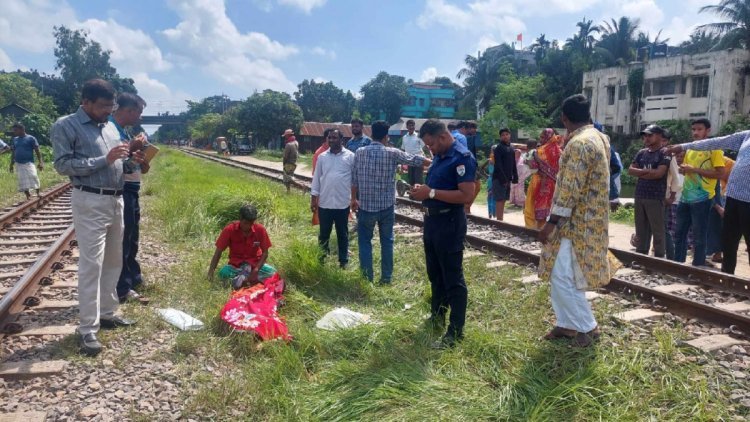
(430, 100)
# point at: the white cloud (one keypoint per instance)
(206, 38)
(304, 5)
(320, 80)
(132, 49)
(320, 51)
(647, 11)
(27, 25)
(5, 62)
(428, 75)
(159, 96)
(501, 17)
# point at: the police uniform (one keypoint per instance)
(444, 233)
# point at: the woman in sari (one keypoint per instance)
(517, 190)
(546, 160)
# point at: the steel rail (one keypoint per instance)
(12, 302)
(30, 205)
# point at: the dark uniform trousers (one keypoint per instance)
(130, 277)
(443, 247)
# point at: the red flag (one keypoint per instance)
(519, 37)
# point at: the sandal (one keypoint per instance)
(586, 339)
(558, 333)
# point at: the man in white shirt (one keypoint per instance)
(412, 144)
(331, 195)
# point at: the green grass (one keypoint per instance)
(624, 214)
(386, 371)
(277, 155)
(8, 183)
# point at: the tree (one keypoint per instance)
(700, 42)
(16, 89)
(618, 38)
(383, 96)
(39, 126)
(205, 127)
(540, 47)
(80, 59)
(735, 30)
(324, 101)
(517, 104)
(218, 104)
(268, 114)
(584, 40)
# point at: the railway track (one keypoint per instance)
(37, 285)
(662, 285)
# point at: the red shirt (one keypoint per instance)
(243, 248)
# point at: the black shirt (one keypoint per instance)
(505, 165)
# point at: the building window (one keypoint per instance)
(412, 101)
(622, 92)
(610, 95)
(421, 102)
(700, 86)
(588, 92)
(664, 87)
(619, 129)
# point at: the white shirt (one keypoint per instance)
(332, 181)
(412, 144)
(674, 181)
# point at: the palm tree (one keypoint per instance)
(481, 74)
(735, 30)
(700, 42)
(618, 37)
(584, 40)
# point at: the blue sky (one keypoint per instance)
(190, 49)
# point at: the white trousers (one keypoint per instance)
(572, 310)
(99, 225)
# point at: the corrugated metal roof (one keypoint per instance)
(316, 129)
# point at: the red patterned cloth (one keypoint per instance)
(255, 309)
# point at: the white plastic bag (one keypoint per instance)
(180, 319)
(341, 318)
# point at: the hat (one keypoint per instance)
(288, 132)
(655, 129)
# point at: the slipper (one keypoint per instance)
(558, 333)
(133, 295)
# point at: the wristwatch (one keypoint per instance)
(432, 193)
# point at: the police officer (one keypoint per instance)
(450, 184)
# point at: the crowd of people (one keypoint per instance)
(687, 197)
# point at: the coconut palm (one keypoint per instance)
(618, 37)
(584, 40)
(735, 30)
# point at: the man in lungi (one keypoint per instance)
(23, 147)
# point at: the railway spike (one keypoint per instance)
(32, 301)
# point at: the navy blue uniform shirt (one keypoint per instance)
(454, 166)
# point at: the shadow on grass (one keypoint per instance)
(553, 382)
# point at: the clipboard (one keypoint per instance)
(150, 152)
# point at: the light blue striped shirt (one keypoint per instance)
(738, 185)
(81, 146)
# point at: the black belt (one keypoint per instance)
(100, 191)
(440, 211)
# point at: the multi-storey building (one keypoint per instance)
(712, 85)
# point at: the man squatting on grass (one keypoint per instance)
(248, 243)
(575, 237)
(88, 150)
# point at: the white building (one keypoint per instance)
(712, 85)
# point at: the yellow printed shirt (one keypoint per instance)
(582, 200)
(697, 188)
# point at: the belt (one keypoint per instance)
(100, 191)
(440, 211)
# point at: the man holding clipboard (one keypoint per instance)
(128, 113)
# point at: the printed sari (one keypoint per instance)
(254, 309)
(546, 160)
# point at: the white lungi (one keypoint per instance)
(27, 177)
(99, 226)
(572, 310)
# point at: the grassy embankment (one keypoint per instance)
(8, 183)
(386, 370)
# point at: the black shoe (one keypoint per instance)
(447, 341)
(115, 322)
(90, 346)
